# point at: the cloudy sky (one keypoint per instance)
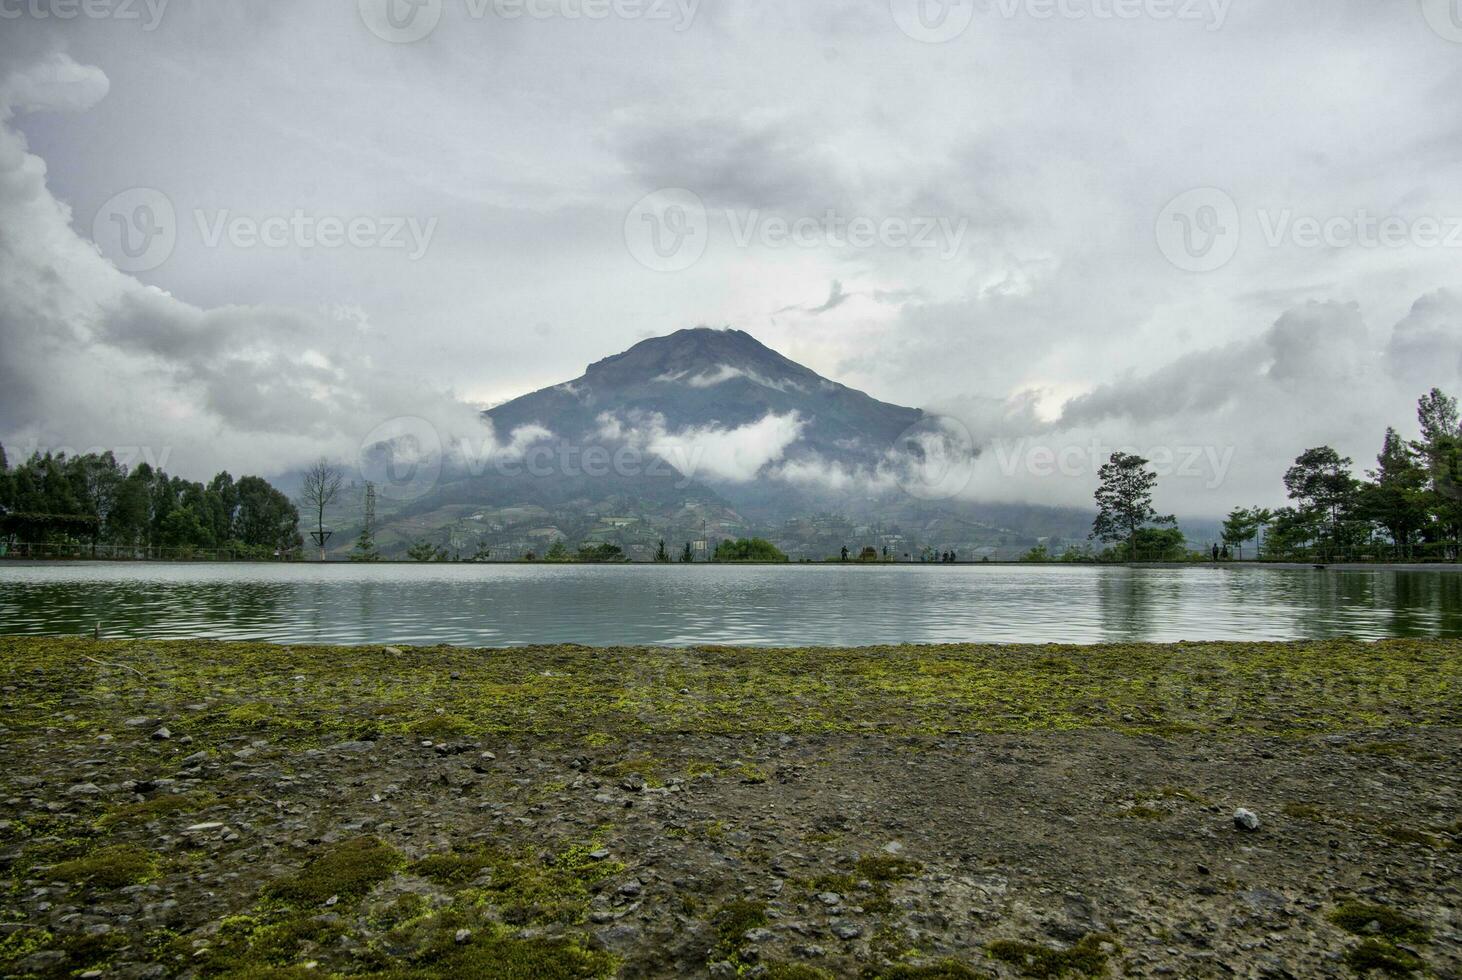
(239, 233)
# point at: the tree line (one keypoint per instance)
(1409, 507)
(91, 501)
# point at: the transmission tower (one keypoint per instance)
(370, 509)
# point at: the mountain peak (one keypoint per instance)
(695, 352)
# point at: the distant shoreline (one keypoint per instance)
(1215, 566)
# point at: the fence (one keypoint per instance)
(40, 551)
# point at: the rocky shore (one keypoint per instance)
(236, 810)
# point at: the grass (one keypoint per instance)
(597, 695)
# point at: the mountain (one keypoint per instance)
(706, 381)
(708, 434)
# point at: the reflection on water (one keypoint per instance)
(503, 605)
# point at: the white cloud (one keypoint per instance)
(95, 359)
(712, 452)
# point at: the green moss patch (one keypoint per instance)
(109, 867)
(943, 970)
(733, 921)
(1281, 688)
(454, 868)
(525, 890)
(154, 809)
(1378, 955)
(347, 870)
(501, 955)
(1087, 958)
(1364, 919)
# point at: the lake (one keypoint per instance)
(679, 605)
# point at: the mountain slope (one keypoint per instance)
(707, 381)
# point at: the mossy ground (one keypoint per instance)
(651, 811)
(302, 693)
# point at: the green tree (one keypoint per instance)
(1325, 494)
(424, 551)
(600, 554)
(558, 552)
(1441, 432)
(1244, 524)
(1396, 496)
(688, 555)
(182, 529)
(748, 550)
(267, 521)
(661, 555)
(365, 547)
(1037, 555)
(1124, 502)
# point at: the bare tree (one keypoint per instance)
(321, 487)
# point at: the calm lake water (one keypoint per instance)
(508, 605)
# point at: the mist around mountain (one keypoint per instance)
(702, 435)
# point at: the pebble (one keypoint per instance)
(162, 734)
(631, 888)
(84, 789)
(462, 936)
